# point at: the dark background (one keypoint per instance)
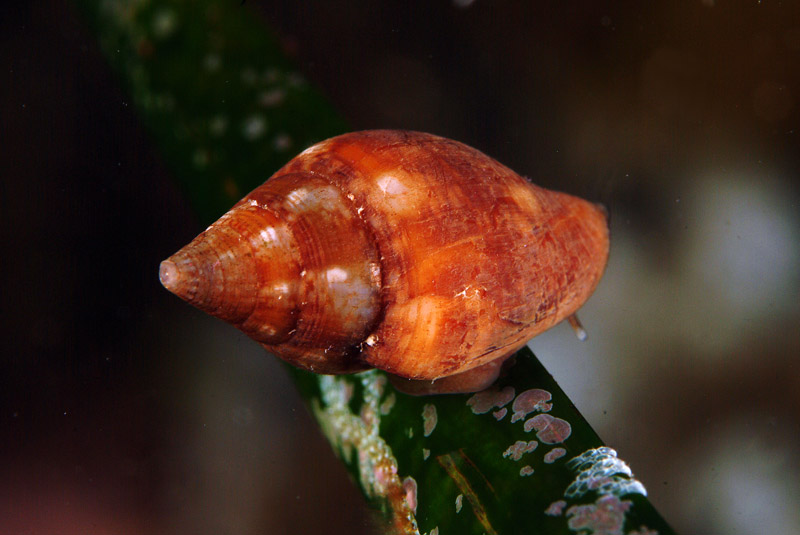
(124, 411)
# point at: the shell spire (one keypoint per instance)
(293, 267)
(241, 270)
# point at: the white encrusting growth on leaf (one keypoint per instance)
(429, 419)
(351, 433)
(600, 470)
(483, 402)
(526, 470)
(519, 448)
(253, 127)
(554, 454)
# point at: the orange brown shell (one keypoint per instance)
(397, 250)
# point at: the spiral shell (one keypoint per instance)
(397, 250)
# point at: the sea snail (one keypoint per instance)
(397, 250)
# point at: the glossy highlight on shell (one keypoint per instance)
(398, 250)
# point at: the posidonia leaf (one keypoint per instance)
(517, 458)
(212, 85)
(227, 110)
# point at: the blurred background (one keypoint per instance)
(122, 410)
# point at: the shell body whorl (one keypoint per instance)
(398, 250)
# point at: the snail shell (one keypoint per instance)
(397, 250)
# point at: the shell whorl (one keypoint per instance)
(400, 250)
(475, 259)
(293, 267)
(244, 270)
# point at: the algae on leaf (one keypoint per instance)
(516, 458)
